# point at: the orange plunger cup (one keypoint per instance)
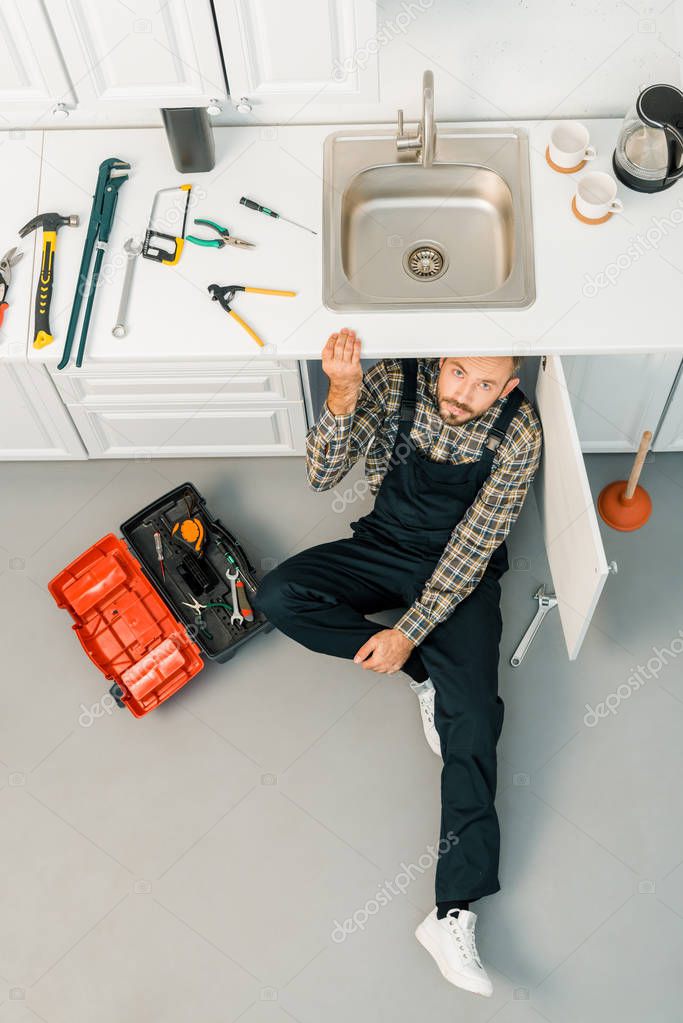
(626, 506)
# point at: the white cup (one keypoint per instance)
(568, 145)
(596, 196)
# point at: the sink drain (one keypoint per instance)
(425, 262)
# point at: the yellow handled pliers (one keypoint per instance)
(225, 295)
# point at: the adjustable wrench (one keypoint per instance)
(546, 601)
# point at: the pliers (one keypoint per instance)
(199, 610)
(225, 295)
(11, 257)
(217, 243)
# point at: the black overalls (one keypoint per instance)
(320, 597)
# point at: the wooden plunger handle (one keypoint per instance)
(637, 465)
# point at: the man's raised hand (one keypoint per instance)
(341, 364)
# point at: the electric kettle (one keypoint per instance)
(649, 153)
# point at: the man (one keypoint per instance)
(451, 446)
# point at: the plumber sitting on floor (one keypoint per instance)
(451, 446)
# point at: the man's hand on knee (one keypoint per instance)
(386, 651)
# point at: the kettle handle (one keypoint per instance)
(674, 141)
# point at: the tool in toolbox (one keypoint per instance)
(225, 238)
(199, 608)
(242, 600)
(11, 257)
(232, 576)
(164, 253)
(225, 295)
(149, 636)
(111, 175)
(132, 247)
(50, 223)
(159, 545)
(253, 205)
(191, 531)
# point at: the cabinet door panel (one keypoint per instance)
(289, 66)
(570, 525)
(31, 68)
(34, 424)
(142, 52)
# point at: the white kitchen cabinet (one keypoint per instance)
(233, 408)
(669, 436)
(141, 52)
(284, 61)
(34, 423)
(616, 397)
(203, 429)
(32, 70)
(108, 58)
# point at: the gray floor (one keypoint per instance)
(195, 864)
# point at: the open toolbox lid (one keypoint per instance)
(124, 626)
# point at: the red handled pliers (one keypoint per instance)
(6, 263)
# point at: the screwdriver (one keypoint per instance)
(160, 554)
(252, 205)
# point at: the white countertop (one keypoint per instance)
(172, 317)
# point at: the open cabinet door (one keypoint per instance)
(570, 525)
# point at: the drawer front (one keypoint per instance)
(125, 431)
(246, 381)
(568, 517)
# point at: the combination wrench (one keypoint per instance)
(132, 248)
(237, 616)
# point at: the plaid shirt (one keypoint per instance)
(335, 443)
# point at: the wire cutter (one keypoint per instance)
(6, 263)
(217, 243)
(225, 295)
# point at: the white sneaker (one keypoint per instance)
(425, 694)
(450, 942)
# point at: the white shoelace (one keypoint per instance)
(427, 704)
(467, 946)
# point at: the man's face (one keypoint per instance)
(466, 387)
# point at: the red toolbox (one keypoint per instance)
(148, 623)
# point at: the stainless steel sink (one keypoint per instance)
(454, 233)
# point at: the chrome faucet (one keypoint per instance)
(424, 140)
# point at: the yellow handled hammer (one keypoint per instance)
(50, 223)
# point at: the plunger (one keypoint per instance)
(627, 506)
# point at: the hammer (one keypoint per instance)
(50, 223)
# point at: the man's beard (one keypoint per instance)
(448, 412)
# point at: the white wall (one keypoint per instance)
(529, 58)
